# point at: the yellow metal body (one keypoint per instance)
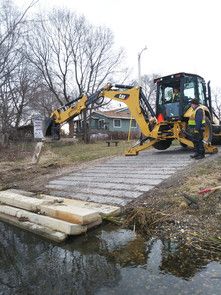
(150, 128)
(131, 98)
(64, 114)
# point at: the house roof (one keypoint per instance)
(116, 113)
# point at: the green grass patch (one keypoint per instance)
(65, 153)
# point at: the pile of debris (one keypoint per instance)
(190, 218)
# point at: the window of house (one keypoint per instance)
(133, 124)
(101, 124)
(79, 124)
(117, 123)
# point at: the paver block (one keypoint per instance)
(92, 198)
(103, 210)
(52, 223)
(93, 224)
(151, 180)
(61, 184)
(40, 230)
(50, 198)
(72, 214)
(106, 192)
(22, 192)
(12, 198)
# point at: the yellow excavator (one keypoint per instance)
(159, 127)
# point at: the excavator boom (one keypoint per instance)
(136, 102)
(133, 97)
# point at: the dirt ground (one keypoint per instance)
(174, 209)
(17, 170)
(33, 178)
(177, 211)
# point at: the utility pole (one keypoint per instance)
(139, 66)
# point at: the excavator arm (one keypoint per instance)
(133, 97)
(66, 113)
(136, 102)
(140, 110)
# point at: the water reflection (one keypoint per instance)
(105, 261)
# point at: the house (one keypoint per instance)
(23, 133)
(116, 123)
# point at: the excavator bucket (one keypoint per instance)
(51, 129)
(47, 126)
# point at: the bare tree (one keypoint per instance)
(11, 29)
(49, 52)
(149, 88)
(43, 100)
(97, 65)
(11, 23)
(71, 55)
(23, 87)
(216, 99)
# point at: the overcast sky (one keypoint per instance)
(180, 35)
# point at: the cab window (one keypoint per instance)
(189, 90)
(201, 93)
(166, 94)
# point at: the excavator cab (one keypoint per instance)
(174, 94)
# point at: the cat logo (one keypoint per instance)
(122, 96)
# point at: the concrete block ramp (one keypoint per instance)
(120, 180)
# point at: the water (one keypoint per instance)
(105, 261)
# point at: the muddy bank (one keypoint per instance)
(177, 211)
(17, 170)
